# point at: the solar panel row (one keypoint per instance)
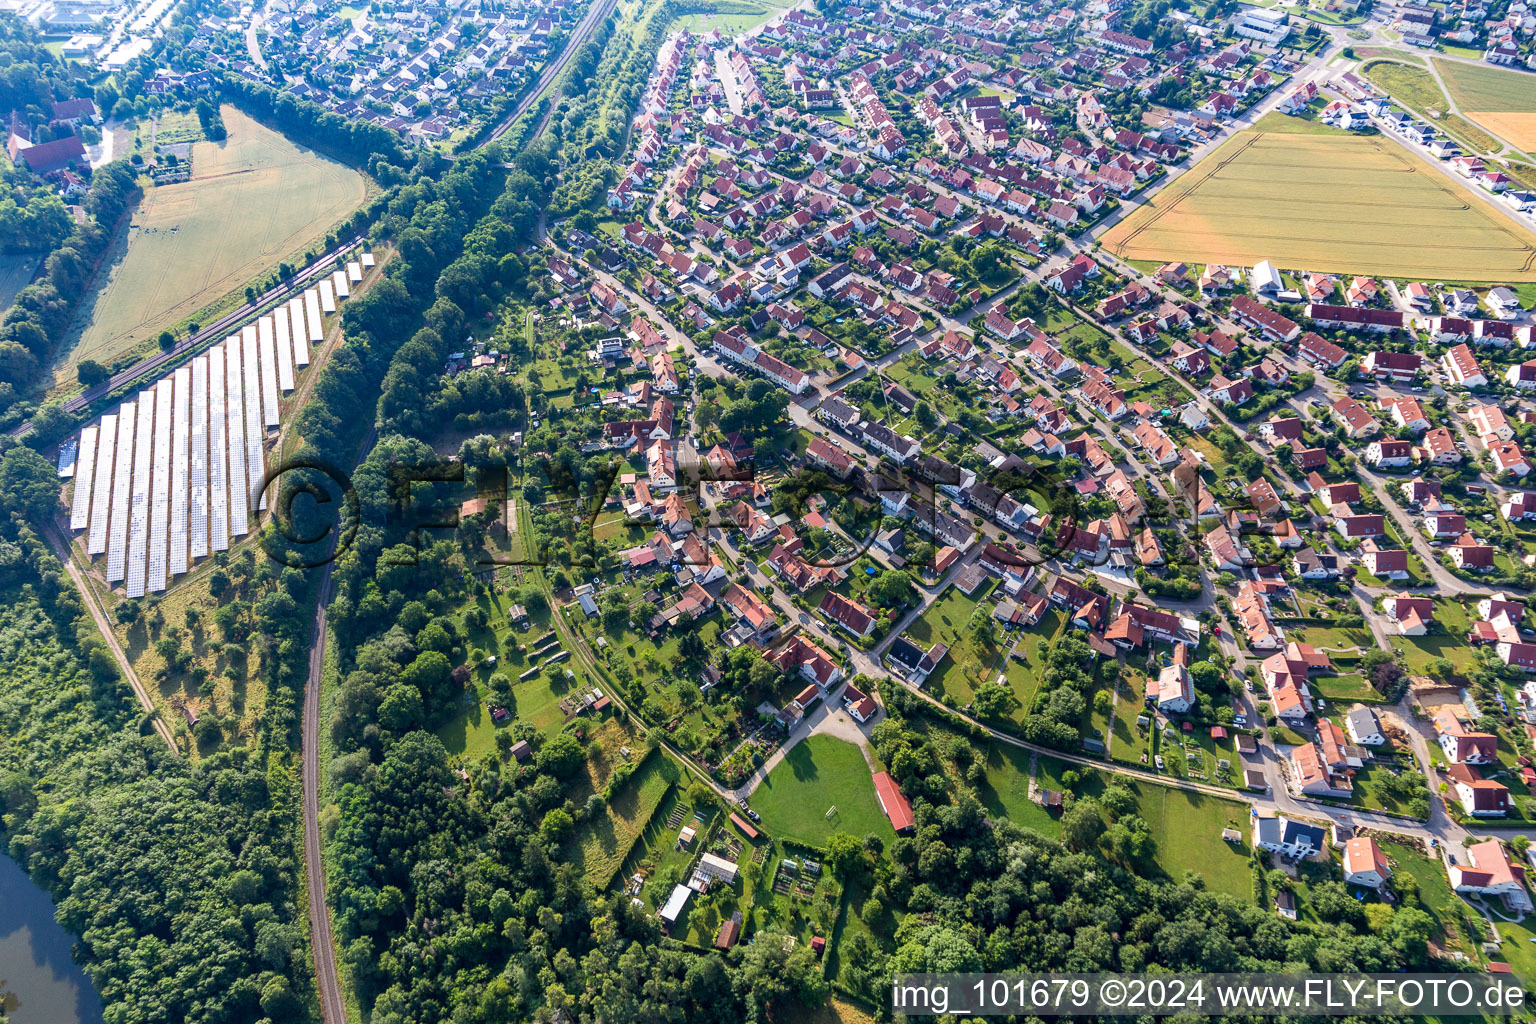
(80, 507)
(218, 453)
(181, 433)
(122, 493)
(268, 372)
(234, 377)
(138, 516)
(300, 331)
(255, 468)
(280, 325)
(198, 511)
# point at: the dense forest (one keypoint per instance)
(179, 879)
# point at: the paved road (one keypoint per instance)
(215, 331)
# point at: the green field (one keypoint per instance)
(1327, 203)
(818, 773)
(15, 274)
(730, 17)
(1504, 102)
(1187, 827)
(254, 200)
(1452, 644)
(1005, 791)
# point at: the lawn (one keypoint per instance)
(730, 17)
(1004, 790)
(1285, 124)
(1451, 644)
(254, 199)
(1435, 893)
(1335, 640)
(1187, 827)
(1346, 688)
(1327, 203)
(972, 660)
(1130, 739)
(820, 772)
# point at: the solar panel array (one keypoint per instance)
(166, 478)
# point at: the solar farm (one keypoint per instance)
(177, 472)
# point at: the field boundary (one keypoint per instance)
(1235, 208)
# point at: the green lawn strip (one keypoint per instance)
(1285, 124)
(601, 845)
(1130, 739)
(1187, 830)
(1436, 896)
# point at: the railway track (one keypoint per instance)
(598, 13)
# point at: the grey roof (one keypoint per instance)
(1365, 721)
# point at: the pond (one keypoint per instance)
(40, 983)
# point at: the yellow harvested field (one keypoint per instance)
(1517, 128)
(254, 200)
(1328, 203)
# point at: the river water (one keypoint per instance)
(40, 983)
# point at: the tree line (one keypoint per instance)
(33, 329)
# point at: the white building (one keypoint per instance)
(1263, 24)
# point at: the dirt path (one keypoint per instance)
(104, 627)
